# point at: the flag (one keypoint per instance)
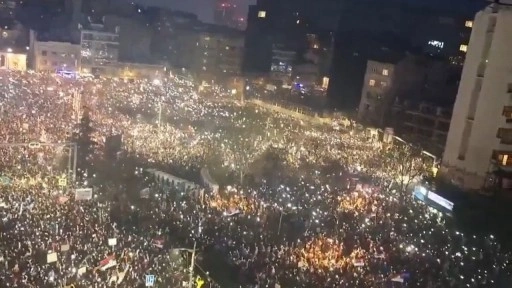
(62, 199)
(158, 243)
(106, 263)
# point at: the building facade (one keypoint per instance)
(479, 141)
(51, 56)
(13, 61)
(98, 48)
(424, 124)
(132, 71)
(376, 85)
(218, 53)
(282, 65)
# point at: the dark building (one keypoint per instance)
(283, 26)
(390, 29)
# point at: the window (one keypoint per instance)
(505, 134)
(44, 53)
(262, 14)
(463, 48)
(469, 24)
(507, 111)
(503, 158)
(372, 82)
(385, 72)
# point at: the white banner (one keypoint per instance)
(83, 194)
(112, 242)
(51, 257)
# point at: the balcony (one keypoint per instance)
(505, 135)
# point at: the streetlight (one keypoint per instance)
(282, 212)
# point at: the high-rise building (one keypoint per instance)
(225, 13)
(479, 141)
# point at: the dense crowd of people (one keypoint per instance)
(302, 205)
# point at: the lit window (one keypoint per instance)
(385, 72)
(262, 14)
(463, 48)
(469, 24)
(298, 21)
(372, 82)
(315, 46)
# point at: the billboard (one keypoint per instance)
(432, 199)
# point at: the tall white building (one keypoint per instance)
(480, 137)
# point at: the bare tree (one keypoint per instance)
(406, 163)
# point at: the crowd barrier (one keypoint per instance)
(163, 177)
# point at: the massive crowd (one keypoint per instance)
(303, 205)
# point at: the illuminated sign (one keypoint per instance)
(440, 200)
(150, 280)
(437, 44)
(432, 199)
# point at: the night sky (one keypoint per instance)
(203, 8)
